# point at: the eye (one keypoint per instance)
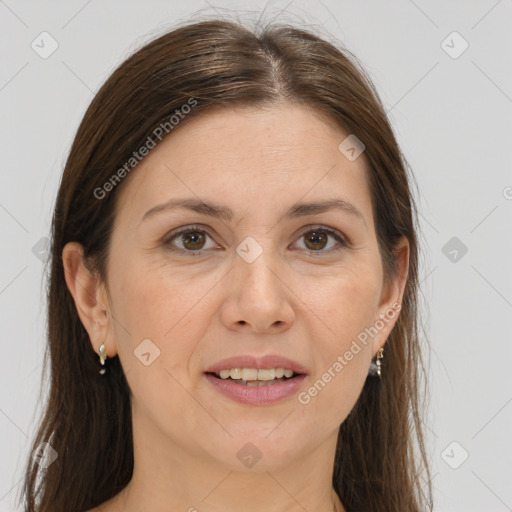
(192, 239)
(316, 240)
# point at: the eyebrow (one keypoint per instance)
(226, 213)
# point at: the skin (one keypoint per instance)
(200, 309)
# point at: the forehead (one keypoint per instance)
(248, 154)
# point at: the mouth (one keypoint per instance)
(260, 381)
(255, 376)
(256, 380)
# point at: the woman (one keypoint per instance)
(232, 299)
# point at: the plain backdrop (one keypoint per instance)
(443, 70)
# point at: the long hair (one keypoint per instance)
(380, 458)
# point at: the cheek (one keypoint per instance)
(341, 373)
(167, 307)
(343, 358)
(351, 305)
(151, 306)
(153, 298)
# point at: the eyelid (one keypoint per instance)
(185, 229)
(343, 241)
(341, 238)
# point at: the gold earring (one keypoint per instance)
(103, 358)
(375, 366)
(380, 355)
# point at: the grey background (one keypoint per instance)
(453, 120)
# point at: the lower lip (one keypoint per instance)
(257, 395)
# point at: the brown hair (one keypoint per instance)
(87, 418)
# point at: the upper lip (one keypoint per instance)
(258, 362)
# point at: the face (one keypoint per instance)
(189, 288)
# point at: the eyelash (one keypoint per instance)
(343, 242)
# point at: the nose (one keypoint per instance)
(258, 298)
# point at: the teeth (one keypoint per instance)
(235, 373)
(248, 374)
(267, 374)
(253, 374)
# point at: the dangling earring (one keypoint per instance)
(103, 358)
(375, 366)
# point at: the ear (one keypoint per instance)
(90, 297)
(391, 296)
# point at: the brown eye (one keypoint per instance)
(189, 240)
(193, 240)
(316, 240)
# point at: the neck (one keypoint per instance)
(167, 477)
